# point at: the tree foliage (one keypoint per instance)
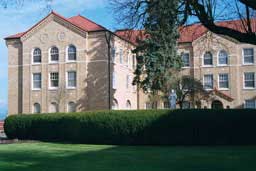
(157, 53)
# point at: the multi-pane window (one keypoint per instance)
(133, 61)
(208, 59)
(223, 58)
(185, 59)
(71, 53)
(54, 53)
(121, 56)
(37, 56)
(128, 80)
(54, 79)
(249, 80)
(71, 107)
(71, 79)
(250, 104)
(36, 108)
(37, 79)
(208, 81)
(223, 81)
(113, 54)
(248, 55)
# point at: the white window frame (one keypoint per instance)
(121, 56)
(114, 80)
(189, 64)
(218, 57)
(67, 57)
(32, 81)
(67, 86)
(243, 57)
(49, 78)
(245, 107)
(128, 80)
(134, 63)
(212, 82)
(203, 60)
(113, 54)
(32, 56)
(33, 108)
(249, 88)
(220, 88)
(50, 58)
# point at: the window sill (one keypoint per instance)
(223, 89)
(69, 61)
(185, 67)
(222, 65)
(36, 89)
(54, 62)
(36, 63)
(207, 66)
(71, 88)
(249, 88)
(249, 64)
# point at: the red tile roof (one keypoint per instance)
(85, 23)
(78, 21)
(188, 33)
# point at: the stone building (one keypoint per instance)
(73, 64)
(225, 67)
(69, 64)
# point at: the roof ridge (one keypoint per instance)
(79, 15)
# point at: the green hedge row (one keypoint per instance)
(151, 127)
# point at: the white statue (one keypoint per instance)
(172, 99)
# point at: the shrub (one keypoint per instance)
(151, 127)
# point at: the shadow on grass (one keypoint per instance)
(51, 157)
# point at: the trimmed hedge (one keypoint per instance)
(151, 127)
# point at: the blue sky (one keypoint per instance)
(18, 19)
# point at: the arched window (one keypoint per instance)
(54, 107)
(37, 108)
(223, 58)
(71, 53)
(115, 105)
(208, 59)
(37, 56)
(128, 105)
(71, 107)
(54, 54)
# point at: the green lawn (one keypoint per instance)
(61, 157)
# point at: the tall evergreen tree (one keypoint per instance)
(157, 54)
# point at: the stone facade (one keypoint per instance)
(104, 69)
(92, 90)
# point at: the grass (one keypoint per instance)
(69, 157)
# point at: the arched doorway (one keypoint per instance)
(216, 104)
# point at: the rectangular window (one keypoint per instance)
(113, 54)
(114, 80)
(37, 79)
(128, 81)
(208, 81)
(185, 59)
(249, 80)
(223, 81)
(54, 80)
(121, 56)
(134, 62)
(71, 79)
(248, 55)
(250, 104)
